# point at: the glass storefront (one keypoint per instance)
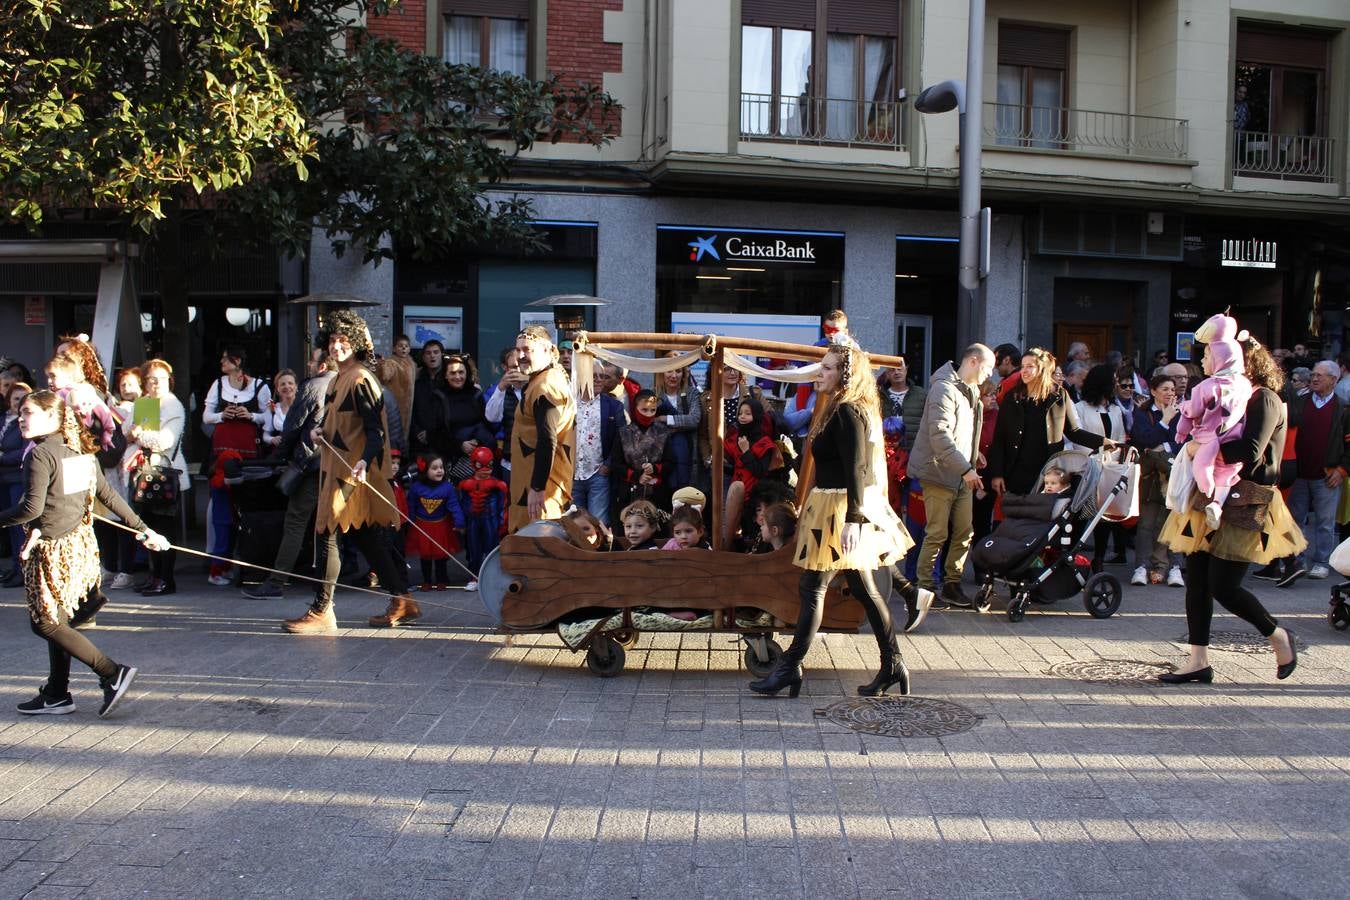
(925, 302)
(758, 272)
(474, 301)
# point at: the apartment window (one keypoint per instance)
(494, 34)
(820, 72)
(1033, 86)
(1280, 102)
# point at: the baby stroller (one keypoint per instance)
(1035, 551)
(260, 510)
(1339, 615)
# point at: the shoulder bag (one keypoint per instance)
(1248, 505)
(154, 488)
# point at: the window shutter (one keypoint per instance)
(786, 13)
(1282, 47)
(864, 16)
(1027, 45)
(497, 9)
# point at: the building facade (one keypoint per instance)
(1147, 163)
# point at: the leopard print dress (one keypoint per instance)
(60, 572)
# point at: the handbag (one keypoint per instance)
(1248, 505)
(1125, 504)
(290, 478)
(154, 487)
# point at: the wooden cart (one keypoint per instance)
(535, 577)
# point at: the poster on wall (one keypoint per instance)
(544, 318)
(435, 323)
(1185, 346)
(34, 310)
(789, 329)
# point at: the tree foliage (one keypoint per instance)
(280, 114)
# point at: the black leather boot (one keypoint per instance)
(787, 674)
(893, 672)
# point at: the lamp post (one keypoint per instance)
(968, 99)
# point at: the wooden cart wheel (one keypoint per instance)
(762, 666)
(605, 657)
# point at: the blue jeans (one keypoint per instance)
(1311, 499)
(592, 495)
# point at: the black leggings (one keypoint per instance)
(376, 548)
(63, 642)
(441, 567)
(811, 589)
(1208, 579)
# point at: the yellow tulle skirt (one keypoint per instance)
(1186, 533)
(818, 531)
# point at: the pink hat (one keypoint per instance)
(1220, 334)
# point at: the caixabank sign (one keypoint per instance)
(734, 248)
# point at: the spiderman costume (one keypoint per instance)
(484, 501)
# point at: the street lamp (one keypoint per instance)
(968, 99)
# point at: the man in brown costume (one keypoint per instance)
(542, 439)
(355, 469)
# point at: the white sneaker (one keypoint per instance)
(121, 581)
(1174, 578)
(220, 580)
(1140, 576)
(1319, 571)
(471, 586)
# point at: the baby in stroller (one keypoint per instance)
(1035, 549)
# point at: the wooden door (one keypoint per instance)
(1096, 335)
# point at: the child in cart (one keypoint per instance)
(642, 523)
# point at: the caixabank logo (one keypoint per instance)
(741, 248)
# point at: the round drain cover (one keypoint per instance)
(901, 716)
(1241, 642)
(1113, 671)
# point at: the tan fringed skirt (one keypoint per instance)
(818, 530)
(1185, 532)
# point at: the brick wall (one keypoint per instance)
(406, 23)
(576, 40)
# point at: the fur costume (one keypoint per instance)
(548, 396)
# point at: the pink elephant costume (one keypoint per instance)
(1213, 415)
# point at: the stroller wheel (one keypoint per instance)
(1102, 595)
(984, 598)
(1339, 617)
(1017, 607)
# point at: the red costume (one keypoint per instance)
(485, 506)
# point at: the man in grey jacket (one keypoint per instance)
(944, 459)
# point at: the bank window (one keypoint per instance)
(1033, 86)
(828, 77)
(1280, 103)
(494, 35)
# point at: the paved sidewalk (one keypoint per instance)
(442, 761)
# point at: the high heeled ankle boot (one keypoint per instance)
(893, 672)
(787, 674)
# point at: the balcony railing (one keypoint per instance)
(1083, 131)
(1297, 157)
(820, 120)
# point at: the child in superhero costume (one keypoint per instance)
(483, 499)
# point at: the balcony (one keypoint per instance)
(821, 121)
(1083, 131)
(1294, 157)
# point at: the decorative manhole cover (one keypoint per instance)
(901, 716)
(1113, 671)
(1240, 642)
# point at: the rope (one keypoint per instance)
(319, 581)
(473, 576)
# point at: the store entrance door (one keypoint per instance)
(914, 341)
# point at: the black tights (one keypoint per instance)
(376, 548)
(811, 589)
(1208, 579)
(63, 642)
(441, 567)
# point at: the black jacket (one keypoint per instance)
(56, 487)
(842, 457)
(1336, 453)
(1261, 447)
(1028, 433)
